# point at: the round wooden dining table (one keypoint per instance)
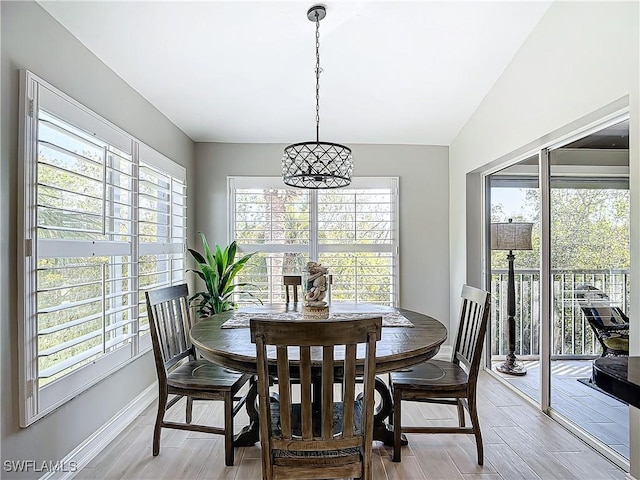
(399, 348)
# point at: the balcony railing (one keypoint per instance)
(571, 334)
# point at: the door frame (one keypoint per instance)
(544, 148)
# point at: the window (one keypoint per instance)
(103, 220)
(352, 231)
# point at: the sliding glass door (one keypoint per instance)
(514, 200)
(589, 256)
(576, 196)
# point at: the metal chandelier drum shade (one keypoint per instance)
(317, 165)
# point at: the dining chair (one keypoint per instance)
(291, 283)
(447, 382)
(321, 436)
(182, 374)
(609, 323)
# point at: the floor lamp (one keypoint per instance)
(511, 236)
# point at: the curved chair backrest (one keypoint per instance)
(608, 322)
(170, 322)
(597, 307)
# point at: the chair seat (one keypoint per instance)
(433, 375)
(619, 344)
(317, 458)
(204, 375)
(296, 422)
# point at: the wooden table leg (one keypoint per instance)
(381, 430)
(250, 434)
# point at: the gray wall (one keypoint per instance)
(32, 40)
(581, 58)
(423, 173)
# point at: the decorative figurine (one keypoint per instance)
(316, 291)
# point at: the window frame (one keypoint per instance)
(315, 248)
(38, 400)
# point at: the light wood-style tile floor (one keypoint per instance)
(519, 443)
(595, 412)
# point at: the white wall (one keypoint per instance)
(424, 236)
(581, 57)
(33, 40)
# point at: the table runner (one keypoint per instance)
(389, 319)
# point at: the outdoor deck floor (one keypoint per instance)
(597, 413)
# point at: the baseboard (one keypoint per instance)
(79, 457)
(630, 477)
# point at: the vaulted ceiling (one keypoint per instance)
(237, 71)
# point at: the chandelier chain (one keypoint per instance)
(317, 77)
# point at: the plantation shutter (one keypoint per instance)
(104, 218)
(352, 231)
(84, 232)
(275, 222)
(357, 240)
(162, 223)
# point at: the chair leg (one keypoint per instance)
(189, 414)
(473, 413)
(397, 424)
(228, 429)
(460, 412)
(162, 407)
(390, 419)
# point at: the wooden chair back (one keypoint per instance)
(474, 315)
(298, 447)
(598, 308)
(608, 322)
(181, 374)
(291, 283)
(170, 323)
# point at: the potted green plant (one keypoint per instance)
(218, 270)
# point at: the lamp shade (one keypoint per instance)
(511, 236)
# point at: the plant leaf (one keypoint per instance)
(221, 261)
(207, 250)
(231, 252)
(198, 272)
(197, 256)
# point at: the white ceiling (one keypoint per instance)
(236, 71)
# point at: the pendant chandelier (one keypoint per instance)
(317, 164)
